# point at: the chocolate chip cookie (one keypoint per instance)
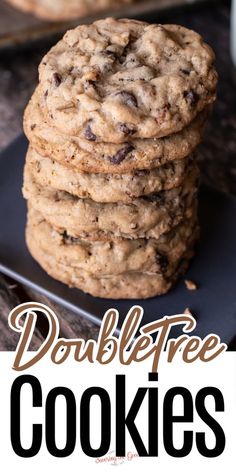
(118, 269)
(116, 79)
(147, 217)
(89, 156)
(107, 188)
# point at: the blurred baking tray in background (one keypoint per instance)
(18, 28)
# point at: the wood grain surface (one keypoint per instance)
(18, 77)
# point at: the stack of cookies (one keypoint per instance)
(111, 177)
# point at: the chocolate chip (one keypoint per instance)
(191, 96)
(128, 98)
(108, 53)
(46, 94)
(88, 134)
(162, 261)
(121, 154)
(32, 127)
(155, 198)
(88, 84)
(68, 239)
(185, 71)
(91, 82)
(63, 235)
(57, 79)
(125, 129)
(112, 54)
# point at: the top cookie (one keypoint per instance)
(120, 78)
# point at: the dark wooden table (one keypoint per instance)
(217, 155)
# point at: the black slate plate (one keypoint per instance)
(214, 267)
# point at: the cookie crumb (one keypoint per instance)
(187, 312)
(191, 285)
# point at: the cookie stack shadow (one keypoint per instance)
(115, 219)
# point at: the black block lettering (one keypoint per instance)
(16, 416)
